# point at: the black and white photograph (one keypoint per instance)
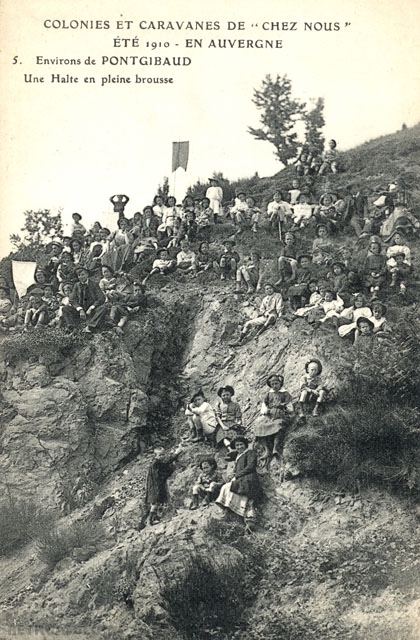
(210, 320)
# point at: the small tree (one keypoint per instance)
(280, 112)
(314, 123)
(163, 188)
(40, 227)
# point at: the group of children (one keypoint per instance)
(222, 424)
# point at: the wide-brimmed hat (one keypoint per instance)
(53, 243)
(229, 241)
(239, 192)
(318, 362)
(76, 215)
(227, 388)
(363, 319)
(274, 375)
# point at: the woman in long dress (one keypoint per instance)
(243, 493)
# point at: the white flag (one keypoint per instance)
(23, 276)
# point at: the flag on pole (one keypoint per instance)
(23, 274)
(180, 152)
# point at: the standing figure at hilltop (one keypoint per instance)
(119, 201)
(215, 195)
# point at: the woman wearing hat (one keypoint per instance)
(228, 416)
(243, 493)
(275, 415)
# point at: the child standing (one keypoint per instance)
(312, 387)
(159, 471)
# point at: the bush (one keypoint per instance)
(47, 342)
(206, 597)
(366, 438)
(19, 522)
(80, 540)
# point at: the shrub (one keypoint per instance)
(19, 522)
(47, 342)
(205, 597)
(81, 540)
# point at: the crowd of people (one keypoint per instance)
(342, 260)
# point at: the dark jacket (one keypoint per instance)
(86, 295)
(247, 482)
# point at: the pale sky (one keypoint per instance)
(74, 145)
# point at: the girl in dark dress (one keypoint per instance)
(160, 470)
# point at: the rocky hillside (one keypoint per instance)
(335, 551)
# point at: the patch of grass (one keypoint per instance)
(206, 599)
(47, 342)
(19, 523)
(79, 540)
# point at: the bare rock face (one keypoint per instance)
(47, 442)
(73, 420)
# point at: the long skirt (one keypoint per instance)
(233, 501)
(266, 426)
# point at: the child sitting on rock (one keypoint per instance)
(35, 311)
(201, 417)
(302, 212)
(229, 418)
(278, 212)
(159, 471)
(400, 272)
(364, 338)
(229, 260)
(186, 259)
(208, 484)
(126, 305)
(287, 262)
(271, 308)
(162, 265)
(312, 387)
(275, 415)
(249, 273)
(5, 304)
